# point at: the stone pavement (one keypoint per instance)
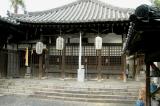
(68, 92)
(75, 84)
(30, 101)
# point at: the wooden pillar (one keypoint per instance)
(134, 66)
(47, 62)
(31, 61)
(138, 68)
(99, 64)
(123, 60)
(40, 65)
(1, 65)
(123, 67)
(109, 59)
(63, 64)
(148, 98)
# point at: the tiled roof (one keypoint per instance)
(8, 20)
(130, 35)
(77, 12)
(143, 25)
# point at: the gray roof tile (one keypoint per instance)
(8, 20)
(79, 11)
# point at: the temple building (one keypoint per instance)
(78, 24)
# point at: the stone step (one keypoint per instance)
(88, 92)
(76, 95)
(63, 83)
(22, 86)
(10, 91)
(74, 91)
(69, 88)
(100, 100)
(73, 94)
(85, 90)
(3, 86)
(111, 91)
(78, 86)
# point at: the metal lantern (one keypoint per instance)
(98, 43)
(39, 47)
(59, 43)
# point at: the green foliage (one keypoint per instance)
(157, 3)
(15, 4)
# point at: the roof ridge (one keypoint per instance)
(77, 11)
(109, 5)
(57, 8)
(77, 2)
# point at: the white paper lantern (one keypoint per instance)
(98, 43)
(39, 47)
(59, 43)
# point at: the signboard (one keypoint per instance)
(98, 43)
(59, 43)
(39, 47)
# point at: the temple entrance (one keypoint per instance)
(110, 60)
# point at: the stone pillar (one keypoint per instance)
(80, 71)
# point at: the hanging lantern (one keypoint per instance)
(39, 47)
(98, 43)
(59, 43)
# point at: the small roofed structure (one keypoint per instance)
(143, 38)
(143, 31)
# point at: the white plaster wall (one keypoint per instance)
(12, 47)
(108, 38)
(74, 40)
(112, 38)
